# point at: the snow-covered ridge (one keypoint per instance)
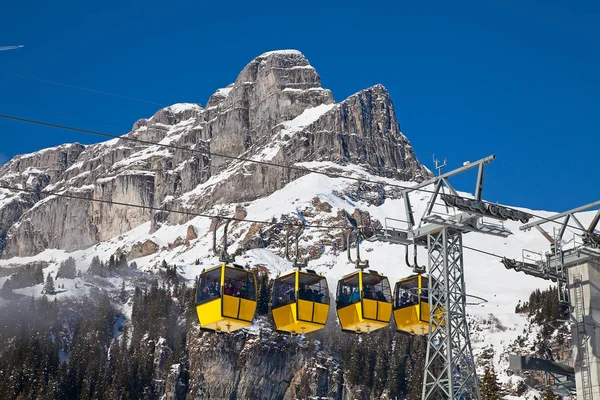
(280, 52)
(41, 152)
(181, 107)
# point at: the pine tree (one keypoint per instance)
(49, 286)
(122, 263)
(67, 269)
(263, 295)
(123, 294)
(96, 267)
(490, 387)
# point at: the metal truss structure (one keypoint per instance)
(554, 265)
(559, 377)
(449, 366)
(450, 371)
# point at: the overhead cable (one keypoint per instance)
(193, 214)
(245, 159)
(204, 152)
(164, 209)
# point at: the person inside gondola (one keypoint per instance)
(368, 293)
(344, 297)
(287, 294)
(231, 290)
(404, 299)
(244, 291)
(355, 297)
(317, 296)
(204, 294)
(304, 293)
(379, 295)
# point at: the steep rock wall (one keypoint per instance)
(275, 111)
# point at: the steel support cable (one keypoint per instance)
(482, 251)
(164, 209)
(194, 214)
(206, 152)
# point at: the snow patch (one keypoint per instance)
(181, 107)
(309, 116)
(224, 91)
(280, 52)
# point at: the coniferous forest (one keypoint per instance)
(86, 348)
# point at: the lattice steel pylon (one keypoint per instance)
(450, 371)
(448, 345)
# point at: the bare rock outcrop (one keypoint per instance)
(143, 249)
(250, 367)
(276, 111)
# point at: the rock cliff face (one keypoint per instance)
(275, 111)
(249, 367)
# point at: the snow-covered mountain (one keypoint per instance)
(276, 110)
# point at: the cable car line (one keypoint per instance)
(204, 152)
(207, 152)
(483, 252)
(152, 208)
(196, 214)
(226, 295)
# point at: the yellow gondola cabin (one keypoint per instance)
(300, 302)
(226, 298)
(411, 305)
(364, 302)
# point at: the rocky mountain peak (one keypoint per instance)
(274, 87)
(280, 70)
(276, 110)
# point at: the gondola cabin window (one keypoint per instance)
(348, 291)
(376, 287)
(424, 289)
(407, 294)
(313, 288)
(239, 283)
(284, 291)
(210, 286)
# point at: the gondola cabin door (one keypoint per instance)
(411, 305)
(300, 302)
(363, 302)
(226, 298)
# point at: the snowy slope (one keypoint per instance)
(486, 277)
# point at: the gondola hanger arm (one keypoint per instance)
(417, 269)
(296, 261)
(361, 264)
(222, 252)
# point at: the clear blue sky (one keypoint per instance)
(468, 79)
